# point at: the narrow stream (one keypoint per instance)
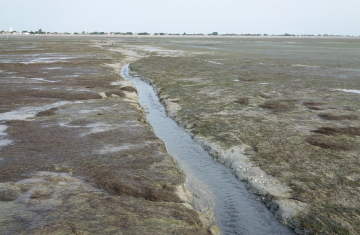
(213, 184)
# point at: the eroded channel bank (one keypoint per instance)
(213, 184)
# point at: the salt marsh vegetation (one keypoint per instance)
(291, 107)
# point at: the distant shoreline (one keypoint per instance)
(181, 36)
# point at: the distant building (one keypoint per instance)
(11, 29)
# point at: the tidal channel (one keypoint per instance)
(212, 184)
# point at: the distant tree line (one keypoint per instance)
(127, 33)
(194, 34)
(40, 31)
(97, 33)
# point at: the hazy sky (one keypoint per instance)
(179, 16)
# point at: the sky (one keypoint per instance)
(179, 16)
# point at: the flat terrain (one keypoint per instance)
(76, 153)
(292, 102)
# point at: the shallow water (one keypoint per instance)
(213, 184)
(3, 140)
(349, 90)
(28, 112)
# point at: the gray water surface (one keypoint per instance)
(213, 184)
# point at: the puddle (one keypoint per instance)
(86, 111)
(213, 184)
(97, 127)
(72, 89)
(120, 83)
(349, 90)
(47, 60)
(213, 62)
(90, 128)
(43, 80)
(306, 66)
(2, 130)
(53, 68)
(28, 112)
(160, 51)
(3, 140)
(35, 58)
(22, 114)
(113, 149)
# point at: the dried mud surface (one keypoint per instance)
(76, 153)
(282, 101)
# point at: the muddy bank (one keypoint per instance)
(77, 154)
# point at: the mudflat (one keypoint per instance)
(76, 152)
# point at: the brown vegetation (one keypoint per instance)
(330, 144)
(313, 105)
(48, 112)
(276, 106)
(330, 116)
(338, 131)
(244, 101)
(129, 88)
(125, 180)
